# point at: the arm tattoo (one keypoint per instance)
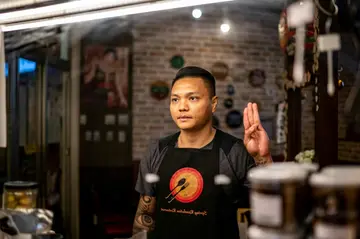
(262, 161)
(144, 217)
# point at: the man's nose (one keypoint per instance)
(183, 106)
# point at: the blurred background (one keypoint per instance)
(87, 89)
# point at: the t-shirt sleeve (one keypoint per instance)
(242, 162)
(146, 167)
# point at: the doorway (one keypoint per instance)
(35, 112)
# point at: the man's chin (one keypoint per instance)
(186, 127)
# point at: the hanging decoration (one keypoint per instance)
(287, 38)
(228, 103)
(311, 65)
(230, 90)
(341, 83)
(159, 90)
(220, 70)
(234, 119)
(257, 78)
(177, 61)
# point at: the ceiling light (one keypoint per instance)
(98, 15)
(196, 13)
(225, 27)
(60, 9)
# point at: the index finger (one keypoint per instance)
(246, 119)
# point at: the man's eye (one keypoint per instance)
(174, 100)
(194, 98)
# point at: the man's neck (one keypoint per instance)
(196, 139)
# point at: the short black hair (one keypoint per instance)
(194, 71)
(112, 52)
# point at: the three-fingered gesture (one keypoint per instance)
(256, 139)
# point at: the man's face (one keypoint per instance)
(109, 57)
(191, 107)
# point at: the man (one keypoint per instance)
(187, 202)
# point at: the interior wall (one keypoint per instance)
(251, 43)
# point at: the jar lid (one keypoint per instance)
(20, 185)
(334, 179)
(255, 232)
(277, 174)
(341, 169)
(311, 167)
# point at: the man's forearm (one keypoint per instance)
(262, 161)
(144, 217)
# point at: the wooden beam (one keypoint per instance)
(326, 117)
(294, 123)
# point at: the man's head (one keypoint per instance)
(193, 98)
(110, 56)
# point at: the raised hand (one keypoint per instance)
(256, 140)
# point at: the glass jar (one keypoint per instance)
(255, 232)
(345, 170)
(279, 197)
(310, 167)
(20, 195)
(336, 204)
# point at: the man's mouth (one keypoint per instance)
(184, 117)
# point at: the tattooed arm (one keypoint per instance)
(144, 217)
(262, 161)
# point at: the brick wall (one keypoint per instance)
(251, 43)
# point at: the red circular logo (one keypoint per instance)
(186, 185)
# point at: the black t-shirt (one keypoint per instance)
(234, 163)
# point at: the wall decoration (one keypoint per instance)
(88, 135)
(341, 84)
(121, 136)
(159, 90)
(230, 89)
(234, 119)
(283, 31)
(281, 111)
(109, 136)
(105, 74)
(228, 103)
(109, 119)
(257, 77)
(96, 136)
(104, 95)
(177, 61)
(215, 121)
(123, 119)
(220, 70)
(83, 119)
(287, 37)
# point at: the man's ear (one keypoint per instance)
(214, 102)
